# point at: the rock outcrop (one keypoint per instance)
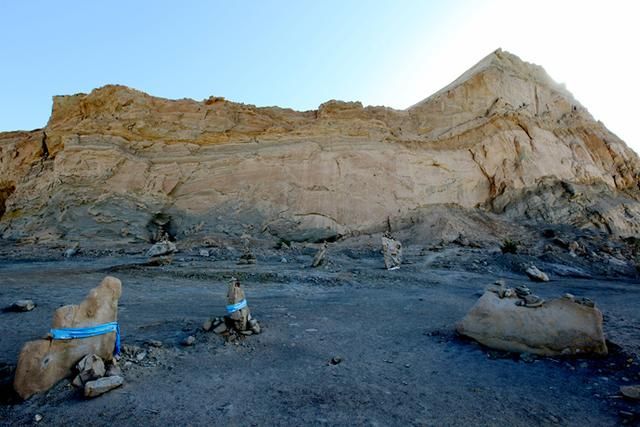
(44, 362)
(121, 165)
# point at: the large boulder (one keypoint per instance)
(44, 362)
(558, 327)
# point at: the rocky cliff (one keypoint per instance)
(120, 165)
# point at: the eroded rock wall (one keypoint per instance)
(109, 162)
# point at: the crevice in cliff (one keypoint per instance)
(44, 155)
(7, 188)
(491, 179)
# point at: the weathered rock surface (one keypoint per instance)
(120, 165)
(44, 362)
(558, 327)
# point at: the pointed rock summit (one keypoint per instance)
(503, 137)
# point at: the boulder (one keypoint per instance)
(536, 275)
(392, 252)
(102, 385)
(44, 362)
(162, 248)
(558, 327)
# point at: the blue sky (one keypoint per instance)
(299, 53)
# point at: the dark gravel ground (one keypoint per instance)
(401, 362)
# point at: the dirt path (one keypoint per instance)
(401, 362)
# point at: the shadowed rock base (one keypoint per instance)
(559, 327)
(44, 362)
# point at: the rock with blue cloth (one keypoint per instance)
(238, 311)
(77, 330)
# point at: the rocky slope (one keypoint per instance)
(119, 165)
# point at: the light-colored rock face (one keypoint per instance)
(558, 327)
(44, 362)
(107, 162)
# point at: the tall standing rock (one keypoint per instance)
(44, 362)
(392, 252)
(235, 295)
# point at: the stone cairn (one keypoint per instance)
(238, 320)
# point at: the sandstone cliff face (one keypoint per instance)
(116, 163)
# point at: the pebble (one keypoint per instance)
(37, 418)
(204, 252)
(335, 360)
(207, 325)
(140, 356)
(283, 260)
(188, 341)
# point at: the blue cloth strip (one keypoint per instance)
(89, 331)
(232, 308)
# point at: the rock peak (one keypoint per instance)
(509, 67)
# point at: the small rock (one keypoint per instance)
(127, 364)
(140, 356)
(90, 368)
(220, 329)
(254, 326)
(283, 260)
(536, 275)
(154, 343)
(204, 253)
(162, 248)
(188, 341)
(72, 251)
(631, 391)
(37, 418)
(22, 305)
(248, 332)
(335, 360)
(207, 325)
(102, 385)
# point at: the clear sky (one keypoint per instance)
(300, 53)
